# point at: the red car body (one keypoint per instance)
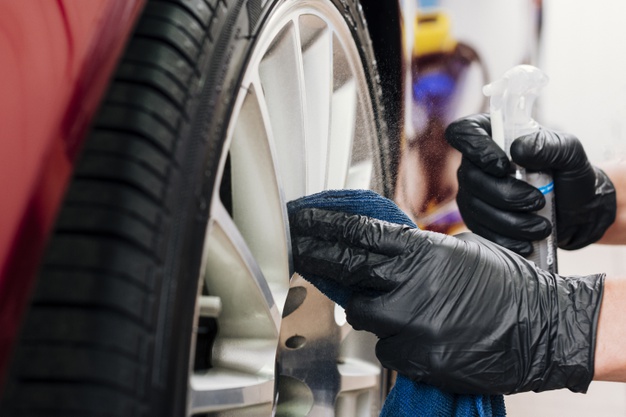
(56, 58)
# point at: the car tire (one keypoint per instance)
(119, 314)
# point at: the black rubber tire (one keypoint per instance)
(108, 331)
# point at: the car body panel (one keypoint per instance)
(57, 58)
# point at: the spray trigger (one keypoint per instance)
(511, 103)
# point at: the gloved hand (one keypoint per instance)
(500, 208)
(459, 313)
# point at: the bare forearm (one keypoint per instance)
(616, 233)
(610, 356)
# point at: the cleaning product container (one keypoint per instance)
(511, 104)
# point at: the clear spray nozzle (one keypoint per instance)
(511, 103)
(511, 100)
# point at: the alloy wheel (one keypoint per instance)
(266, 340)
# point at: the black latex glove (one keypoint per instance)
(459, 313)
(498, 207)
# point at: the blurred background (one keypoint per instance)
(582, 50)
(461, 45)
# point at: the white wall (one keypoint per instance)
(501, 31)
(584, 54)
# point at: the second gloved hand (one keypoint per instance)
(459, 313)
(497, 206)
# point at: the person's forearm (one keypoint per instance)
(616, 233)
(610, 356)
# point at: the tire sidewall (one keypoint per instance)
(199, 154)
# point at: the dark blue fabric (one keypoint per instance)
(407, 398)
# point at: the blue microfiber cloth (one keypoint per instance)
(407, 398)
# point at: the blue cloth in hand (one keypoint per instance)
(407, 398)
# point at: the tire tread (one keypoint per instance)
(109, 239)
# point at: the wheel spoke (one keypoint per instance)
(259, 209)
(232, 273)
(361, 168)
(280, 72)
(243, 352)
(317, 60)
(222, 389)
(358, 375)
(343, 119)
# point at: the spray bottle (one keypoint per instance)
(511, 104)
